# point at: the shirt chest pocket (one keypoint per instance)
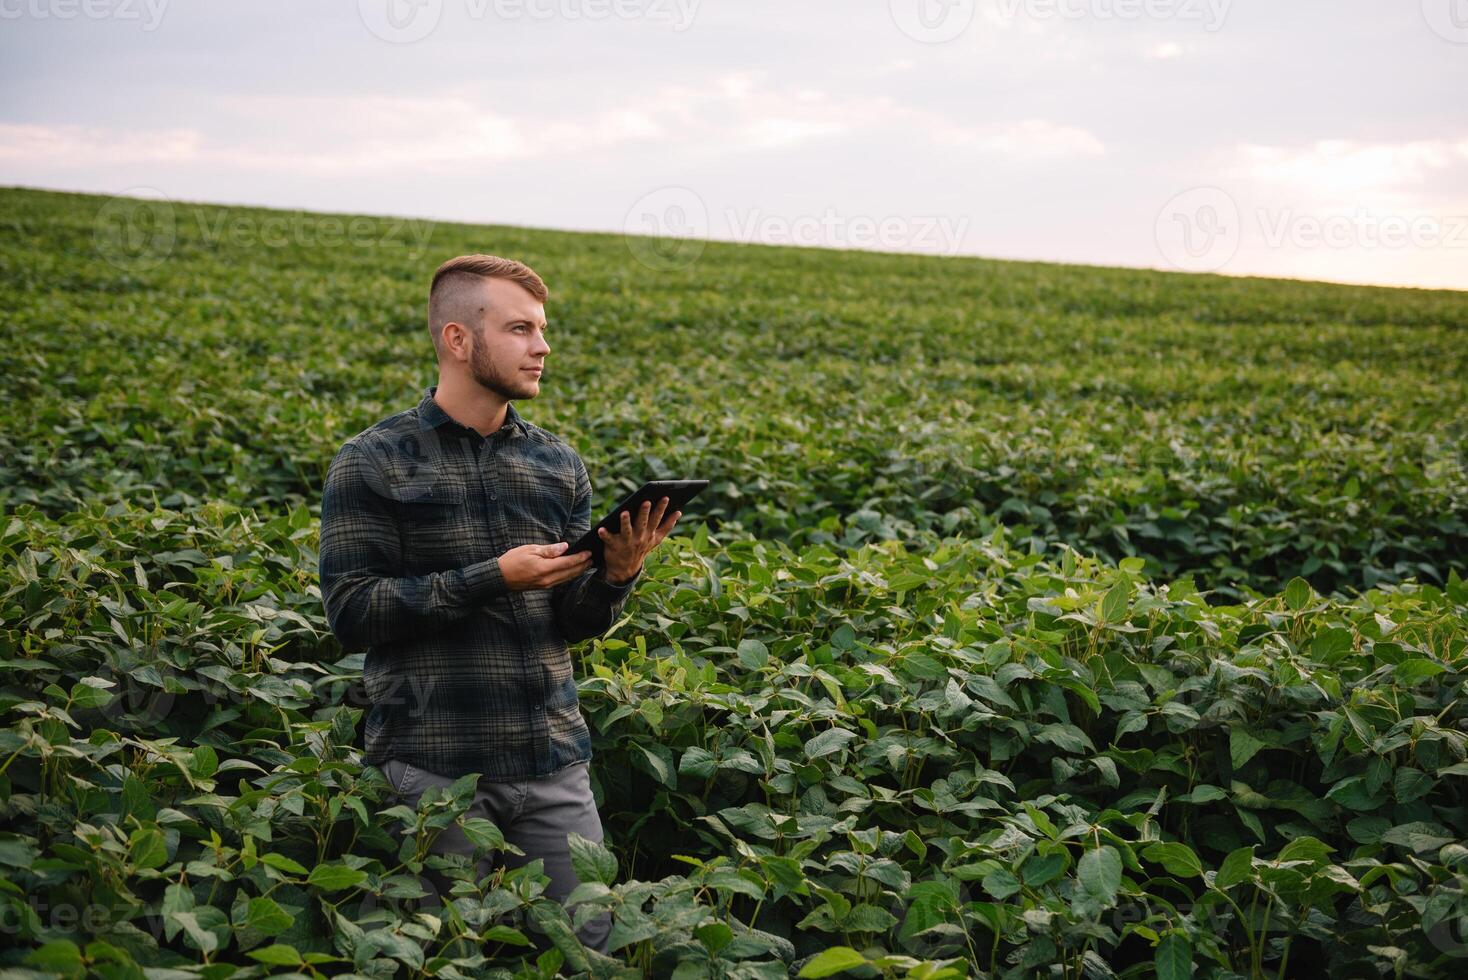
(435, 524)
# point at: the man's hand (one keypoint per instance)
(536, 566)
(626, 549)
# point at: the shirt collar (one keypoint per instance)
(431, 416)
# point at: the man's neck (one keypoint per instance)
(480, 410)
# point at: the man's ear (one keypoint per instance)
(461, 336)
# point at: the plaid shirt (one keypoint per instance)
(463, 674)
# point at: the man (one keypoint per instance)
(442, 555)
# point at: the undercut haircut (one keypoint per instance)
(453, 296)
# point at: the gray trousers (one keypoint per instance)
(534, 815)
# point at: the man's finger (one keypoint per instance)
(560, 573)
(577, 560)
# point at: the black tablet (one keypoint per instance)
(678, 492)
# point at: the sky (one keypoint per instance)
(1315, 139)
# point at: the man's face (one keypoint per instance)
(508, 350)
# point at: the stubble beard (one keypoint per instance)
(487, 376)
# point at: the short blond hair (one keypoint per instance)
(446, 291)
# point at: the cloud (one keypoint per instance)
(1027, 139)
(1348, 172)
(60, 146)
(330, 135)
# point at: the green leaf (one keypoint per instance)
(1310, 849)
(835, 960)
(1236, 868)
(267, 918)
(1353, 794)
(1174, 959)
(590, 860)
(91, 692)
(146, 848)
(1242, 746)
(205, 928)
(714, 936)
(61, 956)
(335, 877)
(1176, 857)
(868, 918)
(827, 742)
(753, 654)
(1416, 669)
(282, 863)
(1113, 607)
(1418, 836)
(1001, 883)
(1297, 594)
(927, 905)
(1202, 793)
(657, 759)
(1410, 784)
(277, 954)
(1100, 872)
(482, 833)
(697, 762)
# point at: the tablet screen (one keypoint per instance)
(678, 492)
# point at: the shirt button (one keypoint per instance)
(540, 707)
(494, 496)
